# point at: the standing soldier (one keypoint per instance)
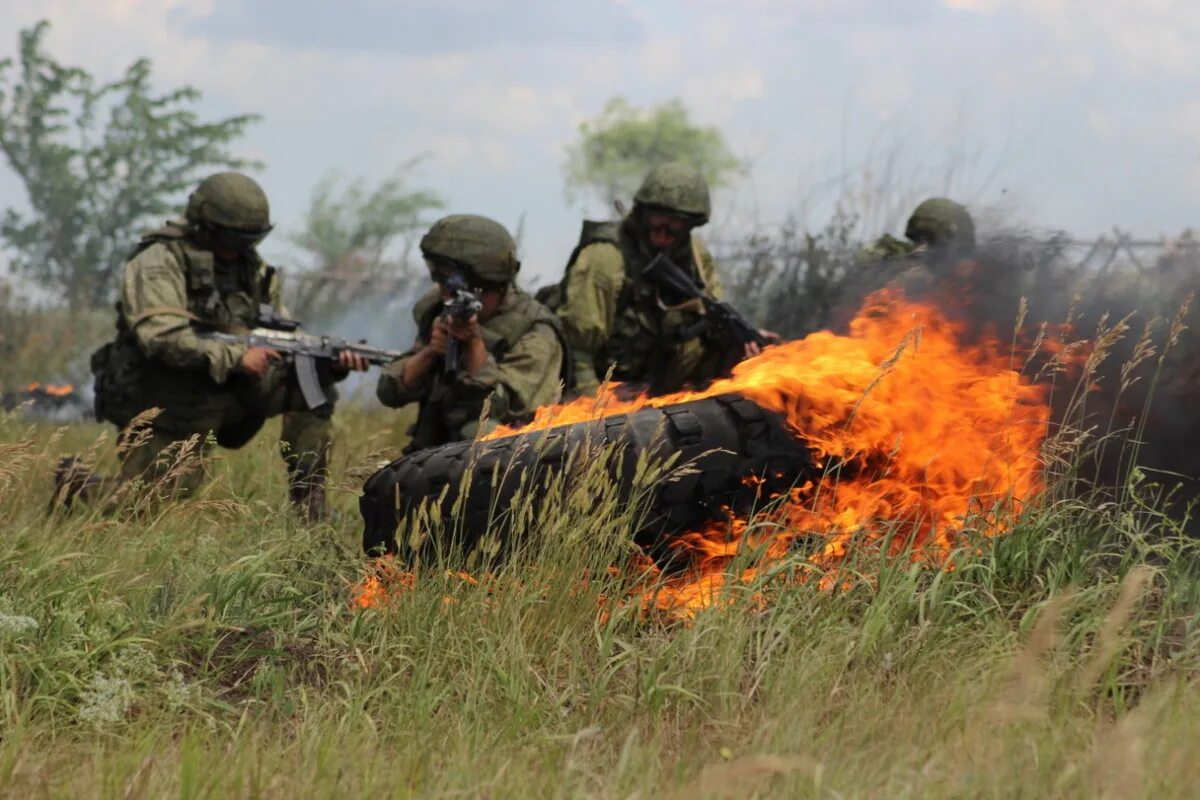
(204, 271)
(511, 353)
(615, 318)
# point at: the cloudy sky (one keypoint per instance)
(1066, 114)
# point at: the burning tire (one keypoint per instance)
(737, 452)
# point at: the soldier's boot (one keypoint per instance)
(74, 481)
(306, 440)
(306, 488)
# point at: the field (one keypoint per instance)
(209, 649)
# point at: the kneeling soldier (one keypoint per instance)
(195, 273)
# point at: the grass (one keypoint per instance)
(208, 649)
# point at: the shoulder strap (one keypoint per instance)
(169, 232)
(197, 265)
(264, 285)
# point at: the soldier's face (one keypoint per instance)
(664, 231)
(491, 299)
(230, 245)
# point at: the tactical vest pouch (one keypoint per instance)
(118, 372)
(240, 433)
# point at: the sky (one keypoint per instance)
(1074, 115)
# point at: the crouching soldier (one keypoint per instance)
(203, 272)
(480, 339)
(938, 243)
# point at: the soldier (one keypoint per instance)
(939, 232)
(511, 351)
(614, 318)
(203, 270)
(936, 256)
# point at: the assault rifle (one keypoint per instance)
(677, 286)
(300, 348)
(462, 305)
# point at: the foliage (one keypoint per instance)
(617, 148)
(97, 161)
(792, 282)
(45, 344)
(208, 649)
(350, 234)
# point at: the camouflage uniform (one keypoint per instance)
(939, 236)
(613, 317)
(157, 360)
(526, 361)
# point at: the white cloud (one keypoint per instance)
(980, 6)
(1147, 37)
(788, 81)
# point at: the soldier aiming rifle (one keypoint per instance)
(611, 301)
(481, 341)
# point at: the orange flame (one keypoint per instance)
(918, 429)
(49, 389)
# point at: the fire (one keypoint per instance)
(923, 428)
(49, 389)
(385, 582)
(918, 430)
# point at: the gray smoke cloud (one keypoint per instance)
(1132, 296)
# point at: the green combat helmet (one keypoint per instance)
(231, 209)
(940, 222)
(677, 189)
(481, 245)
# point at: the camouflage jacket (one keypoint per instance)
(613, 317)
(157, 359)
(171, 283)
(525, 365)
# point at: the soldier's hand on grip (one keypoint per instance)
(752, 349)
(466, 331)
(257, 360)
(348, 361)
(439, 336)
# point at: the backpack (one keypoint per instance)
(554, 295)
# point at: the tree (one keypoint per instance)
(617, 148)
(359, 239)
(98, 162)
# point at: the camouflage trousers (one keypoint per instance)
(177, 465)
(166, 449)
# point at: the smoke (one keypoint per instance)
(1136, 375)
(382, 318)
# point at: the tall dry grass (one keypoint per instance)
(208, 648)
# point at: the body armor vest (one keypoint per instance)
(644, 337)
(224, 296)
(126, 381)
(444, 412)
